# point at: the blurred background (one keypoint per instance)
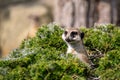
(20, 18)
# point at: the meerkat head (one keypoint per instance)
(72, 35)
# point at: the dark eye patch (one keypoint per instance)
(65, 32)
(74, 33)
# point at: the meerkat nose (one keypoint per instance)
(68, 39)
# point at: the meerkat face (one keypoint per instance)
(72, 35)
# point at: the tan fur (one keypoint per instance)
(35, 24)
(32, 32)
(75, 45)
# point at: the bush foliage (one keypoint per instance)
(43, 57)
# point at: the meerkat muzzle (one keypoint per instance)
(68, 40)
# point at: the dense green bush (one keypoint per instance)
(105, 39)
(43, 57)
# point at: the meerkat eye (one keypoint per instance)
(74, 33)
(65, 32)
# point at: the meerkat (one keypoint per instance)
(35, 24)
(74, 40)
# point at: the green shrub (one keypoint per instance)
(43, 57)
(106, 40)
(109, 68)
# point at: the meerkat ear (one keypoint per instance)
(82, 35)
